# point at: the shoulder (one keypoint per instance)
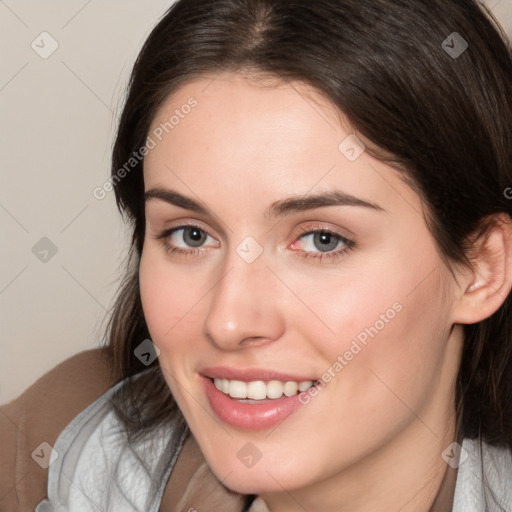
(106, 465)
(31, 424)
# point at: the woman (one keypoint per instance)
(318, 298)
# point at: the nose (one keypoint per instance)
(244, 307)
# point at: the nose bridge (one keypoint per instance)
(243, 303)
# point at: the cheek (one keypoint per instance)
(169, 298)
(388, 330)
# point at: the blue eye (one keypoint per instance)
(323, 241)
(191, 235)
(330, 245)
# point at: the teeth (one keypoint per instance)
(274, 389)
(259, 390)
(256, 390)
(237, 389)
(305, 385)
(290, 388)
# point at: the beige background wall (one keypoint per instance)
(58, 116)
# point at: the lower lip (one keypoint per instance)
(250, 416)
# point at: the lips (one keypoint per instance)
(249, 409)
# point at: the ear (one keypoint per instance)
(485, 286)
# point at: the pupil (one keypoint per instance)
(195, 234)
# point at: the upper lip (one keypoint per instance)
(251, 374)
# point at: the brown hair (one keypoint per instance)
(444, 120)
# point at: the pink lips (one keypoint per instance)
(250, 416)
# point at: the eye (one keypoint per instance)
(187, 239)
(329, 244)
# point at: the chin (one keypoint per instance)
(262, 478)
(253, 483)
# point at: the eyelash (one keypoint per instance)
(322, 257)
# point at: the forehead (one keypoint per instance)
(243, 135)
(272, 111)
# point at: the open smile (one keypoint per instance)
(255, 404)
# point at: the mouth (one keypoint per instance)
(256, 404)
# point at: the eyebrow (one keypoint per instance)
(279, 208)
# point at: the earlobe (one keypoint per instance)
(487, 285)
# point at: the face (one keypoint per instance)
(246, 279)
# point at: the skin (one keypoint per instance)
(372, 439)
